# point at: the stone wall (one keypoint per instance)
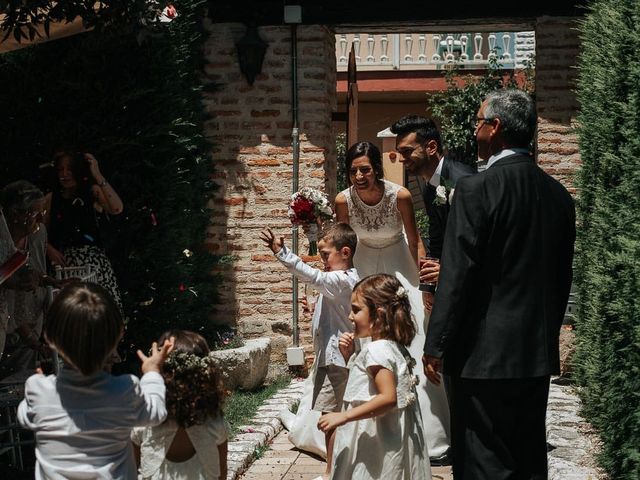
(557, 48)
(252, 156)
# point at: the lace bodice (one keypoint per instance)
(379, 225)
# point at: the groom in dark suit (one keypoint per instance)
(419, 144)
(506, 276)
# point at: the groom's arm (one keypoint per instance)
(461, 262)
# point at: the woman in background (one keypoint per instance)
(80, 192)
(23, 205)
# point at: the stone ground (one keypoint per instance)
(284, 462)
(573, 457)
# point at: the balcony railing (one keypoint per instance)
(432, 51)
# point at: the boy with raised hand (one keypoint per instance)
(337, 246)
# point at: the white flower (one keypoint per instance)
(401, 292)
(451, 195)
(441, 192)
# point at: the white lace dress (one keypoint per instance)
(382, 248)
(155, 441)
(389, 446)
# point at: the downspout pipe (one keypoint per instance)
(295, 144)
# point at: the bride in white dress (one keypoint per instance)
(382, 215)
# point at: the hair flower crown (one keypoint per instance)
(401, 293)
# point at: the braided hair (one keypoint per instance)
(389, 307)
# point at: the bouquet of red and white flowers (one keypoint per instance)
(307, 207)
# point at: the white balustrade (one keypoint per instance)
(342, 45)
(506, 42)
(464, 40)
(436, 49)
(370, 47)
(356, 46)
(408, 41)
(384, 48)
(420, 51)
(477, 41)
(492, 45)
(422, 48)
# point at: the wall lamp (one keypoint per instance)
(251, 52)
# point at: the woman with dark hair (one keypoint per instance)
(380, 212)
(81, 192)
(382, 215)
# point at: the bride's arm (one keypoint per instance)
(405, 207)
(342, 210)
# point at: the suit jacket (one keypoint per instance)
(451, 172)
(506, 274)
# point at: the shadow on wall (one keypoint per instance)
(253, 159)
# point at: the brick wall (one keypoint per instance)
(557, 47)
(251, 131)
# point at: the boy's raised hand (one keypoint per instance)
(154, 362)
(346, 345)
(270, 240)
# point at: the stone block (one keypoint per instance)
(245, 367)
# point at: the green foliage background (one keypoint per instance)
(455, 108)
(608, 246)
(138, 108)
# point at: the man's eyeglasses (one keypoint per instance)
(480, 120)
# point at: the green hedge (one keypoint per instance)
(608, 247)
(137, 105)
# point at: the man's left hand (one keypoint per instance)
(432, 366)
(430, 272)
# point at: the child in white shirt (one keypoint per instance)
(192, 442)
(83, 417)
(337, 246)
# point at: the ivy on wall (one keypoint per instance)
(137, 107)
(607, 356)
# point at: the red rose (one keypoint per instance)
(303, 209)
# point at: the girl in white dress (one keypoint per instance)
(192, 443)
(381, 213)
(379, 433)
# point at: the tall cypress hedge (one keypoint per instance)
(137, 106)
(608, 246)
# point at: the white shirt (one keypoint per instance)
(83, 424)
(505, 153)
(435, 178)
(331, 316)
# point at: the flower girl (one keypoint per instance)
(380, 430)
(192, 443)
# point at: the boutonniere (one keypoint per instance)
(444, 193)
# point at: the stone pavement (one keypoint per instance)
(572, 458)
(575, 442)
(284, 462)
